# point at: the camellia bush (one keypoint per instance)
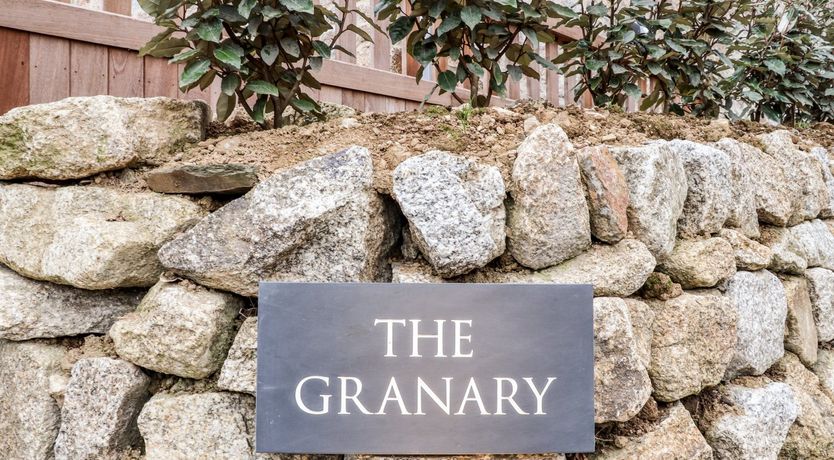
(490, 41)
(679, 46)
(262, 50)
(783, 63)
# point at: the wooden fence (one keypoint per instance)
(54, 49)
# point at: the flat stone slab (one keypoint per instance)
(231, 179)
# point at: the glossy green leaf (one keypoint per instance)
(448, 81)
(229, 53)
(471, 16)
(263, 87)
(193, 72)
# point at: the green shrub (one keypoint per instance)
(477, 34)
(260, 49)
(678, 46)
(784, 67)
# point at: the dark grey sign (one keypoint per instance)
(425, 368)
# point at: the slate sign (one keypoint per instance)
(425, 368)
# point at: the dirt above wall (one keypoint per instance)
(491, 136)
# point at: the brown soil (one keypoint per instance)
(490, 136)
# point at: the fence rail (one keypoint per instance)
(52, 49)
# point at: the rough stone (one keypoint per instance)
(197, 179)
(787, 255)
(803, 172)
(88, 237)
(239, 371)
(674, 436)
(657, 190)
(607, 193)
(699, 263)
(101, 403)
(821, 290)
(455, 210)
(743, 214)
(800, 330)
(710, 192)
(824, 370)
(749, 254)
(213, 425)
(548, 221)
(822, 155)
(32, 309)
(320, 220)
(692, 343)
(413, 272)
(660, 286)
(29, 416)
(621, 382)
(81, 136)
(760, 301)
(815, 243)
(614, 270)
(812, 434)
(642, 320)
(774, 194)
(180, 329)
(748, 422)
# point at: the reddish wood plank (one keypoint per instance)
(88, 69)
(382, 45)
(14, 69)
(551, 76)
(331, 94)
(126, 70)
(348, 39)
(355, 99)
(395, 105)
(122, 7)
(49, 69)
(160, 78)
(376, 103)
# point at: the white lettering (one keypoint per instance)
(389, 350)
(325, 398)
(539, 394)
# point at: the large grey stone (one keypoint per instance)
(29, 416)
(413, 271)
(657, 187)
(787, 256)
(761, 305)
(621, 382)
(710, 192)
(198, 179)
(180, 329)
(803, 172)
(320, 220)
(101, 403)
(607, 193)
(699, 263)
(88, 237)
(455, 210)
(673, 437)
(774, 194)
(743, 216)
(549, 220)
(32, 309)
(617, 270)
(747, 421)
(824, 370)
(823, 156)
(812, 434)
(821, 290)
(750, 255)
(800, 330)
(815, 243)
(213, 425)
(80, 136)
(239, 371)
(692, 343)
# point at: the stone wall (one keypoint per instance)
(128, 319)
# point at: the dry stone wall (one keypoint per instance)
(128, 320)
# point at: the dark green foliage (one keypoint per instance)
(478, 35)
(263, 50)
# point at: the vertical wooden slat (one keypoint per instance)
(126, 71)
(412, 106)
(551, 77)
(533, 84)
(376, 103)
(355, 99)
(88, 69)
(348, 39)
(14, 69)
(49, 68)
(394, 105)
(118, 6)
(331, 94)
(160, 78)
(382, 45)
